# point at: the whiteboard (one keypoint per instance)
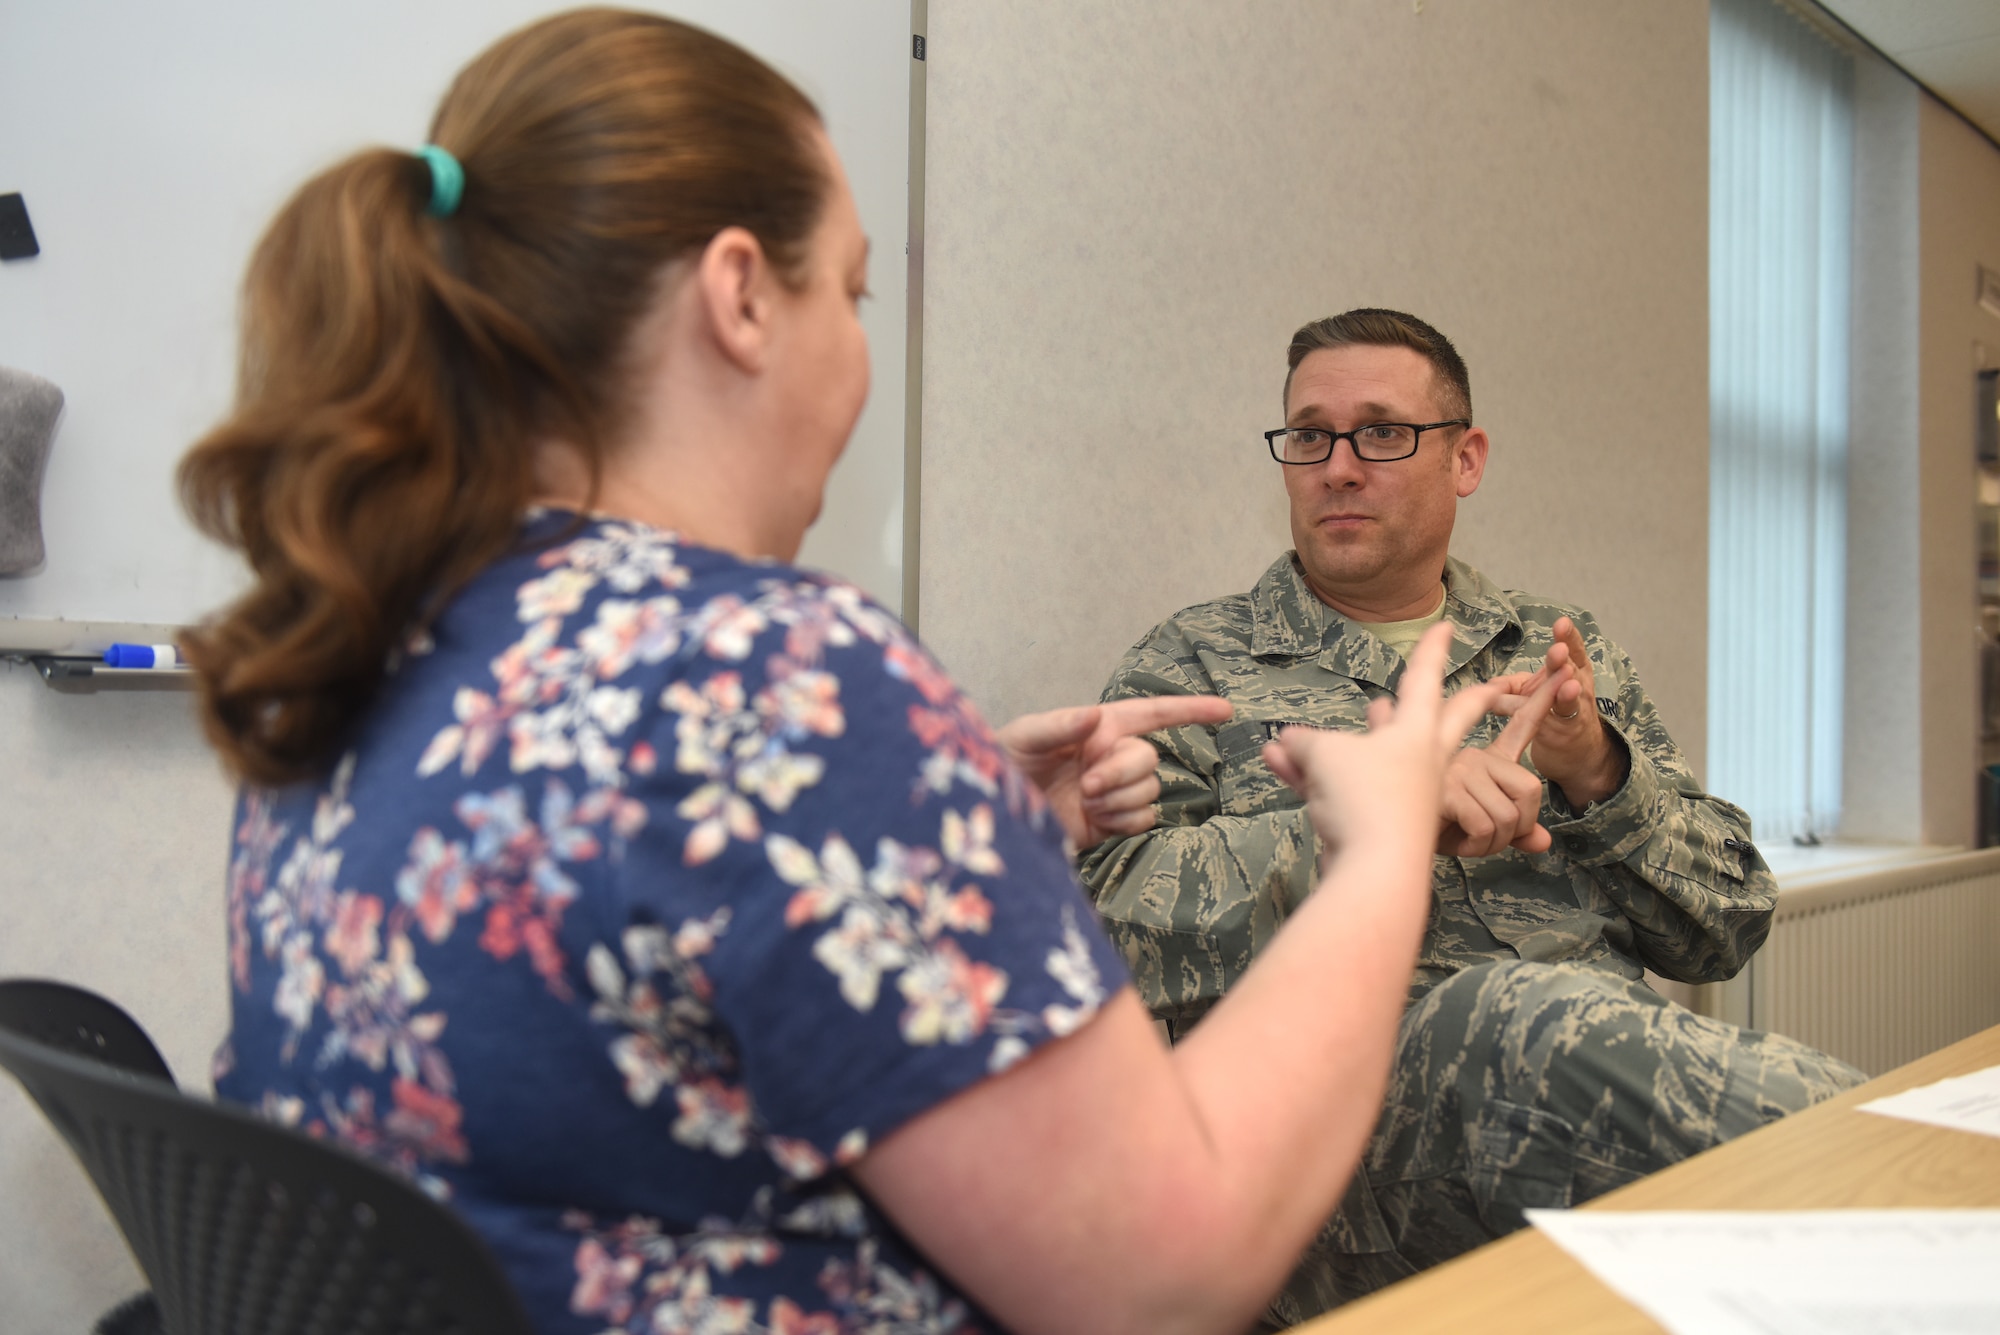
(153, 142)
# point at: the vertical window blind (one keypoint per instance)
(1780, 216)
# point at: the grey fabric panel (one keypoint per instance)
(29, 407)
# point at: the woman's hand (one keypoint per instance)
(1093, 765)
(1383, 788)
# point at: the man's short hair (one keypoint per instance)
(1373, 327)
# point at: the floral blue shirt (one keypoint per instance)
(655, 887)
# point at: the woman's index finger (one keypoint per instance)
(1527, 720)
(1423, 676)
(1150, 713)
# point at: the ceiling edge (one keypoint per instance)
(1841, 30)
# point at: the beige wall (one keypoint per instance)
(114, 826)
(1131, 205)
(1959, 189)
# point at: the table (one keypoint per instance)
(1827, 1157)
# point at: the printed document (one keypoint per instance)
(1963, 1103)
(1794, 1272)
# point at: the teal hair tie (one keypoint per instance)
(447, 180)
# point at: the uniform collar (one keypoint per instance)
(1289, 621)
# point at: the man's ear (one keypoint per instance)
(1469, 464)
(736, 287)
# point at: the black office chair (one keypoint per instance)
(73, 1020)
(70, 1019)
(243, 1227)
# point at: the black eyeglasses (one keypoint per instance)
(1377, 443)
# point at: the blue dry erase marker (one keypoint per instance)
(161, 656)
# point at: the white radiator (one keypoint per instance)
(1877, 968)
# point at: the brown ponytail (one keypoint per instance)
(398, 369)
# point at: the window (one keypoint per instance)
(1780, 217)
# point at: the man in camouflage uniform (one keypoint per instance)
(1534, 1066)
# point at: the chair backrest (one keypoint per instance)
(247, 1228)
(70, 1019)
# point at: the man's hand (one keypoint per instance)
(1572, 748)
(1490, 801)
(1093, 764)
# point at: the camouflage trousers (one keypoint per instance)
(1519, 1085)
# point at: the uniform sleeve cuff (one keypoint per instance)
(1610, 830)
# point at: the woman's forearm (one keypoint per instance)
(1286, 1074)
(1108, 1184)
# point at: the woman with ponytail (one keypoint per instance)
(663, 906)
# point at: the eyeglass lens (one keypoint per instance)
(1308, 445)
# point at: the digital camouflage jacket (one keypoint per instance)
(1658, 875)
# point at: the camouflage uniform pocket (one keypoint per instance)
(1245, 784)
(1601, 1166)
(1352, 1255)
(1518, 1158)
(1357, 1227)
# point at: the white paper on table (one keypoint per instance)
(1963, 1103)
(1791, 1272)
